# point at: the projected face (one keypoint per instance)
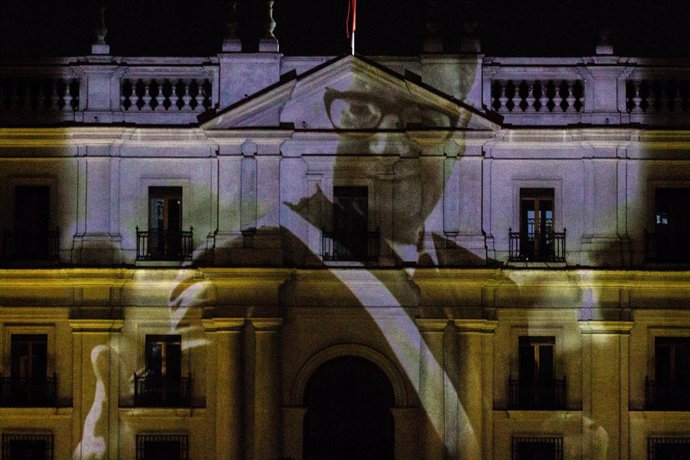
(364, 110)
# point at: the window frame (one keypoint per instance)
(45, 436)
(10, 330)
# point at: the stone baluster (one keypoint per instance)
(54, 95)
(544, 99)
(174, 98)
(503, 97)
(557, 98)
(677, 97)
(196, 99)
(637, 98)
(147, 95)
(68, 96)
(651, 96)
(517, 100)
(186, 98)
(160, 98)
(123, 97)
(570, 99)
(530, 99)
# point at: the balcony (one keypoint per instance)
(164, 245)
(31, 245)
(152, 390)
(667, 396)
(536, 247)
(28, 392)
(537, 395)
(350, 246)
(667, 247)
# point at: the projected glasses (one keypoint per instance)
(364, 111)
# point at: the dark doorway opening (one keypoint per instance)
(348, 415)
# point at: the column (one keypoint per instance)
(264, 388)
(431, 388)
(475, 387)
(605, 389)
(95, 391)
(228, 387)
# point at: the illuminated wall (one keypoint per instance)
(350, 208)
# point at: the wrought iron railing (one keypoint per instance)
(671, 247)
(172, 446)
(536, 247)
(662, 448)
(350, 246)
(152, 390)
(666, 396)
(43, 245)
(537, 394)
(541, 447)
(28, 392)
(25, 445)
(165, 244)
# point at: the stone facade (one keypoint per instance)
(192, 243)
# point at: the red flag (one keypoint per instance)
(351, 18)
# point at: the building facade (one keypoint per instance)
(256, 256)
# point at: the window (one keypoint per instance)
(350, 238)
(164, 356)
(29, 383)
(668, 448)
(31, 237)
(672, 224)
(162, 447)
(164, 239)
(671, 387)
(537, 239)
(537, 448)
(536, 387)
(161, 384)
(26, 446)
(536, 359)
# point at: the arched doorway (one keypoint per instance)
(348, 415)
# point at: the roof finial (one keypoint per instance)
(268, 42)
(101, 47)
(604, 47)
(231, 42)
(433, 43)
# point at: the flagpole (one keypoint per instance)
(351, 23)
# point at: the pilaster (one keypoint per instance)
(95, 390)
(605, 389)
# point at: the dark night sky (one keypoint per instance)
(176, 27)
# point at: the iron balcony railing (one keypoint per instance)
(536, 247)
(173, 245)
(667, 396)
(350, 246)
(41, 245)
(151, 390)
(670, 247)
(541, 447)
(537, 394)
(28, 392)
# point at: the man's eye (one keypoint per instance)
(355, 114)
(425, 117)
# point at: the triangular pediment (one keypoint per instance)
(350, 93)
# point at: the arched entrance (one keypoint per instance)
(348, 415)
